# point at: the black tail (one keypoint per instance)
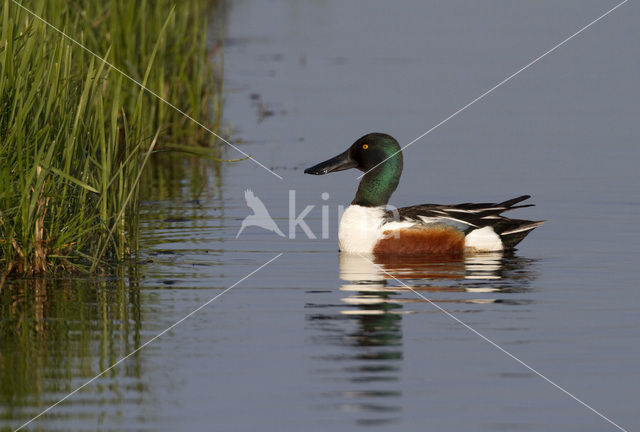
(512, 201)
(513, 231)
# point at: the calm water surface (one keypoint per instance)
(319, 340)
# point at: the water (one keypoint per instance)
(317, 340)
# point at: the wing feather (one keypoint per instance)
(470, 216)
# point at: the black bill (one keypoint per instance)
(338, 163)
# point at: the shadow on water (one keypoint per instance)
(171, 175)
(366, 332)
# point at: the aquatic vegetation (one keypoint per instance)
(75, 134)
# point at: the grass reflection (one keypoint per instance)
(57, 334)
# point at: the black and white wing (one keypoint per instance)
(468, 217)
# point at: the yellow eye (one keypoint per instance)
(366, 146)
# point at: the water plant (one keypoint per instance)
(75, 134)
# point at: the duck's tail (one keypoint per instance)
(513, 231)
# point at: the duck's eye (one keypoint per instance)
(366, 146)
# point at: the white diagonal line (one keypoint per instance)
(485, 338)
(513, 75)
(171, 327)
(142, 86)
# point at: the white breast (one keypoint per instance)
(362, 227)
(359, 228)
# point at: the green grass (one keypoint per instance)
(75, 134)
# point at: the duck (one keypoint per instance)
(368, 226)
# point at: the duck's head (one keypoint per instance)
(379, 156)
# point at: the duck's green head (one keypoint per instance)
(379, 156)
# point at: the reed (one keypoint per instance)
(75, 134)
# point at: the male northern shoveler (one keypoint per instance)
(367, 227)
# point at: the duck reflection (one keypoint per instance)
(366, 327)
(372, 276)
